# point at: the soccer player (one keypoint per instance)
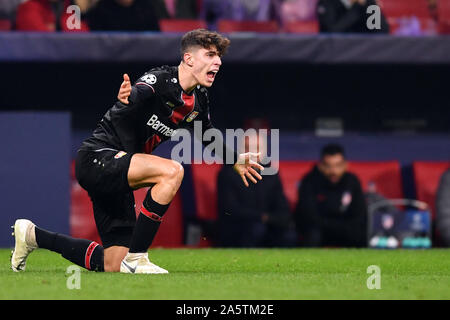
(116, 160)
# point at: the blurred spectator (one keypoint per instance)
(176, 9)
(296, 10)
(8, 9)
(123, 15)
(409, 26)
(331, 209)
(45, 16)
(443, 208)
(347, 16)
(256, 10)
(433, 7)
(254, 216)
(85, 5)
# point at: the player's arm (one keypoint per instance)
(125, 89)
(143, 89)
(245, 164)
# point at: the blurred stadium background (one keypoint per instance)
(384, 97)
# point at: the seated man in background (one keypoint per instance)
(443, 208)
(254, 216)
(239, 10)
(176, 9)
(85, 5)
(331, 209)
(296, 10)
(347, 16)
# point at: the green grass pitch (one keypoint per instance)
(242, 274)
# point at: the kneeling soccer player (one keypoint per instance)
(116, 160)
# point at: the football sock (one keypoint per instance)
(85, 253)
(147, 224)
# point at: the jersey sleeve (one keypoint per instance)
(150, 84)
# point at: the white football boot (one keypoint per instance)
(25, 243)
(139, 263)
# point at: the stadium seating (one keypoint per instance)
(291, 172)
(311, 27)
(426, 179)
(82, 221)
(386, 175)
(427, 25)
(396, 10)
(405, 8)
(444, 16)
(205, 190)
(180, 25)
(247, 26)
(5, 25)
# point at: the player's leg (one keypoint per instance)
(105, 177)
(114, 230)
(163, 175)
(115, 217)
(85, 253)
(114, 212)
(164, 178)
(113, 258)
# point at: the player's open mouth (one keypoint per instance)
(211, 75)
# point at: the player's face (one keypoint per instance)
(333, 167)
(206, 64)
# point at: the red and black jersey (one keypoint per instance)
(158, 106)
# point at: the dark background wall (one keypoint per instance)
(369, 98)
(34, 170)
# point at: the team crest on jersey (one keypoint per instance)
(192, 116)
(120, 154)
(346, 198)
(149, 78)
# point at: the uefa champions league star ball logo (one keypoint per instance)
(149, 78)
(387, 221)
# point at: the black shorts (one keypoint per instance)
(104, 175)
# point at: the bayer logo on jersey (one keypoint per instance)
(120, 154)
(149, 78)
(192, 116)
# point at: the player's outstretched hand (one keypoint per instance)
(125, 89)
(245, 167)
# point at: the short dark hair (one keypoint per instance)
(331, 150)
(205, 39)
